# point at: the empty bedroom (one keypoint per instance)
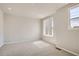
(39, 29)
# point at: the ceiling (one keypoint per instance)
(31, 10)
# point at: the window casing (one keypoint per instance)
(48, 27)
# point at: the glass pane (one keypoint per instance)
(50, 27)
(74, 22)
(74, 12)
(48, 24)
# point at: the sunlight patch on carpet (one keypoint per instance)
(41, 44)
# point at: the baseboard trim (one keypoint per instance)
(62, 48)
(18, 42)
(49, 42)
(67, 50)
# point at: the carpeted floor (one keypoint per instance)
(36, 48)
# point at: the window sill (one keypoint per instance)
(48, 35)
(74, 28)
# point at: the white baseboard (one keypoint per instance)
(49, 42)
(67, 50)
(76, 54)
(18, 42)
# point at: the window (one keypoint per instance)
(74, 16)
(48, 27)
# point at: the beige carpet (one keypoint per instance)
(36, 48)
(41, 44)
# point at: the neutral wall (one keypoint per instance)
(65, 37)
(1, 29)
(20, 29)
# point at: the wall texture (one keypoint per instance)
(18, 29)
(65, 37)
(1, 29)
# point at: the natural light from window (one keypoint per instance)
(48, 27)
(74, 16)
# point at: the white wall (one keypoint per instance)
(18, 29)
(66, 38)
(1, 29)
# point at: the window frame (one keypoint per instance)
(45, 30)
(69, 23)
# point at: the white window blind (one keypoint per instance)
(74, 16)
